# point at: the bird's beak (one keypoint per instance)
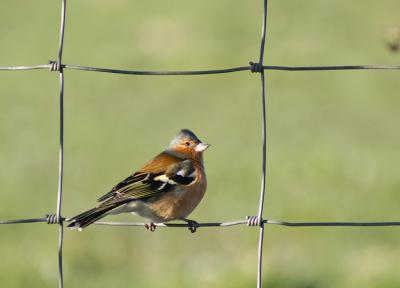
(201, 147)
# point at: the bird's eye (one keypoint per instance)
(187, 144)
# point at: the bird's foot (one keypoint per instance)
(193, 225)
(150, 226)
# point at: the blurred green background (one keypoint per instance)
(333, 140)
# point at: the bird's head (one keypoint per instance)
(186, 143)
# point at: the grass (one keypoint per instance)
(333, 140)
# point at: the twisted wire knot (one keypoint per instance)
(53, 219)
(256, 67)
(54, 66)
(254, 221)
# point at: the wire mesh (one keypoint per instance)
(253, 67)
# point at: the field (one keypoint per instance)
(333, 140)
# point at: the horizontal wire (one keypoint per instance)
(330, 224)
(271, 222)
(20, 221)
(132, 72)
(330, 68)
(176, 225)
(204, 72)
(33, 67)
(223, 224)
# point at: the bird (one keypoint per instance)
(169, 187)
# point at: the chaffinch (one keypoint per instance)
(169, 187)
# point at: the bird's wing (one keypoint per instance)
(159, 176)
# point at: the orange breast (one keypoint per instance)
(182, 201)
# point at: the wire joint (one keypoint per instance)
(256, 67)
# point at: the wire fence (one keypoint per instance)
(257, 67)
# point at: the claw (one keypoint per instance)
(193, 225)
(150, 226)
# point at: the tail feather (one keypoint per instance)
(90, 216)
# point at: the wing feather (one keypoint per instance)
(159, 176)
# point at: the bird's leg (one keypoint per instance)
(150, 226)
(193, 225)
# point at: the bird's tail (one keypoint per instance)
(90, 216)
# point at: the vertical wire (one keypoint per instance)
(264, 117)
(264, 31)
(61, 152)
(60, 185)
(263, 183)
(264, 148)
